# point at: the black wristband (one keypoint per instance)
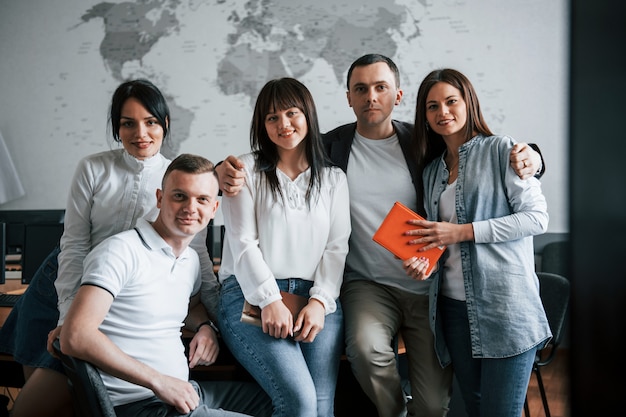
(210, 324)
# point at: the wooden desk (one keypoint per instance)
(12, 286)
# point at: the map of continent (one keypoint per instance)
(268, 39)
(283, 40)
(130, 31)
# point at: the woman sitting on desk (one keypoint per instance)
(287, 230)
(109, 192)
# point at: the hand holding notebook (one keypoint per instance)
(390, 235)
(252, 314)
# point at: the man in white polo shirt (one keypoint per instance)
(136, 291)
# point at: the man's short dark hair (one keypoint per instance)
(370, 59)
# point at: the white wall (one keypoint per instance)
(55, 86)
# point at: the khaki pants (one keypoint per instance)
(374, 314)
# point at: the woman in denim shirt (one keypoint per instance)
(486, 310)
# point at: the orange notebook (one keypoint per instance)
(391, 236)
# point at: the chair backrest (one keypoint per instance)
(215, 240)
(554, 258)
(555, 293)
(89, 395)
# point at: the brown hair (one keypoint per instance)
(189, 163)
(429, 145)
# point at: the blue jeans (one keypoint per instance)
(489, 386)
(300, 378)
(215, 398)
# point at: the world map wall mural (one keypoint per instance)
(62, 60)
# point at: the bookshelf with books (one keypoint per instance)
(28, 237)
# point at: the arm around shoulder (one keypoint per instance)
(231, 175)
(526, 160)
(542, 163)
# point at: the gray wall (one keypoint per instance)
(56, 75)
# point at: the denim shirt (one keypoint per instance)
(506, 316)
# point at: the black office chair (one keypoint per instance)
(554, 258)
(555, 293)
(215, 241)
(89, 395)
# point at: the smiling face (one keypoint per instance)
(140, 131)
(187, 203)
(446, 111)
(287, 129)
(372, 95)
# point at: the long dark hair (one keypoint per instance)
(282, 94)
(429, 145)
(148, 95)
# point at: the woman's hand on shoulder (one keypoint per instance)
(231, 176)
